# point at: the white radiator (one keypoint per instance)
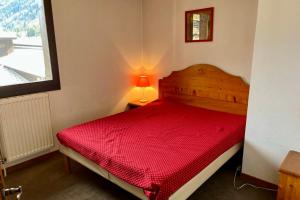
(25, 126)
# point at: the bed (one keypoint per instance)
(169, 148)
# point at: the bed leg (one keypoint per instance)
(67, 164)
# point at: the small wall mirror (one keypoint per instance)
(199, 25)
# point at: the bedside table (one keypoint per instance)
(136, 104)
(289, 184)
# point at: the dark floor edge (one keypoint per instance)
(258, 182)
(31, 162)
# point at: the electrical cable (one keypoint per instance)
(247, 184)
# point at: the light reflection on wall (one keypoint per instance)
(135, 93)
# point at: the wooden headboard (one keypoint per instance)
(208, 87)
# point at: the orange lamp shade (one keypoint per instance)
(143, 81)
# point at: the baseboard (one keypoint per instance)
(256, 181)
(32, 161)
(33, 156)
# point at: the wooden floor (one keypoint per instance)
(47, 180)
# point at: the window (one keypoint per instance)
(28, 59)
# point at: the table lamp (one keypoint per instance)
(143, 82)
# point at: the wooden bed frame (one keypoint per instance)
(208, 87)
(203, 86)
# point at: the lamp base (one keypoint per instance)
(143, 100)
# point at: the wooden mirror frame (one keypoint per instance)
(209, 11)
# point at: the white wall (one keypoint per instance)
(100, 44)
(165, 49)
(274, 111)
(99, 48)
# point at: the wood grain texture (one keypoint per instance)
(289, 187)
(291, 164)
(206, 86)
(289, 183)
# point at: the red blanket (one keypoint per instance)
(158, 147)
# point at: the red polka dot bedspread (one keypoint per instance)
(158, 147)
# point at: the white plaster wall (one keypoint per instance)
(99, 48)
(165, 49)
(273, 126)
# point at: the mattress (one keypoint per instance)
(158, 147)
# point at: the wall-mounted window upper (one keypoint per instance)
(28, 59)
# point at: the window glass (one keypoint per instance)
(24, 51)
